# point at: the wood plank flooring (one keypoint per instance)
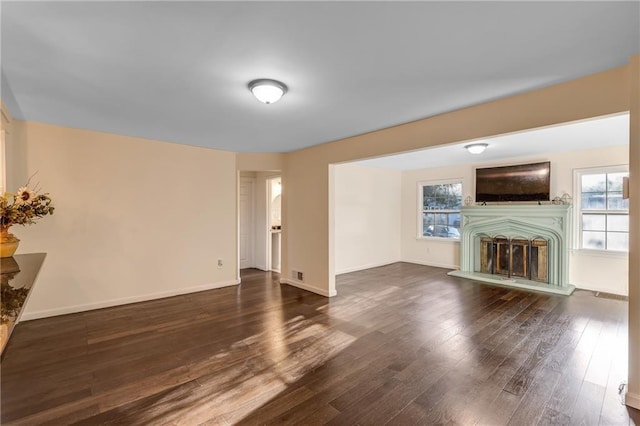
(401, 344)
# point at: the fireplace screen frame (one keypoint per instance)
(515, 257)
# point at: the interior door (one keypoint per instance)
(246, 223)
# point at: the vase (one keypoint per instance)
(8, 242)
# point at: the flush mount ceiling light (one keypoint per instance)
(267, 91)
(476, 148)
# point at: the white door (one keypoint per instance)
(246, 223)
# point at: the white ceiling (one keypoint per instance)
(177, 71)
(596, 133)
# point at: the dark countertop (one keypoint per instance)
(18, 274)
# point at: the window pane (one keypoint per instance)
(594, 183)
(432, 194)
(603, 191)
(454, 220)
(437, 200)
(441, 218)
(442, 197)
(427, 221)
(615, 201)
(593, 222)
(457, 203)
(617, 222)
(428, 197)
(618, 241)
(456, 196)
(593, 201)
(614, 181)
(593, 240)
(442, 231)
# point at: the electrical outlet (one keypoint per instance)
(219, 263)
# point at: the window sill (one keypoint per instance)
(600, 253)
(439, 239)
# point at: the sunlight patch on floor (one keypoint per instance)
(294, 348)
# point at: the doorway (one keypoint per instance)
(246, 222)
(274, 214)
(259, 220)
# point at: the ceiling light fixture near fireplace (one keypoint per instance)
(267, 91)
(476, 148)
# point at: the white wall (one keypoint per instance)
(607, 272)
(435, 251)
(367, 217)
(603, 272)
(135, 219)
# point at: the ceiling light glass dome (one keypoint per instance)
(267, 91)
(476, 148)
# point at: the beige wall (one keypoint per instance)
(254, 162)
(135, 219)
(14, 161)
(367, 217)
(305, 216)
(588, 270)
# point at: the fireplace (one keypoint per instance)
(524, 246)
(517, 257)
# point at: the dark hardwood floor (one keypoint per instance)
(401, 344)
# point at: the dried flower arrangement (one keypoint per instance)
(24, 208)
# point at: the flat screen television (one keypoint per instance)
(524, 182)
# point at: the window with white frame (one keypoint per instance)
(439, 210)
(603, 215)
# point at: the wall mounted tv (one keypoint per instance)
(524, 182)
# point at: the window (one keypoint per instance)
(603, 215)
(439, 211)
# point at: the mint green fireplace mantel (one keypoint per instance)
(551, 222)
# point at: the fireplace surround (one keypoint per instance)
(525, 246)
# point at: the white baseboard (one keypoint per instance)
(368, 266)
(123, 301)
(632, 400)
(600, 289)
(308, 287)
(429, 263)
